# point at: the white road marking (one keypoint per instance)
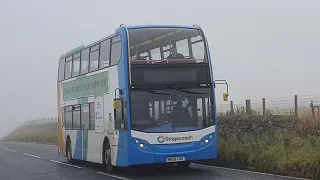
(32, 155)
(66, 164)
(51, 145)
(118, 177)
(239, 170)
(9, 150)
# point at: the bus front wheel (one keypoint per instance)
(107, 158)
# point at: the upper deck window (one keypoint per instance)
(115, 50)
(180, 45)
(94, 58)
(61, 69)
(76, 65)
(68, 68)
(85, 61)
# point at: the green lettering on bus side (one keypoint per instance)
(85, 86)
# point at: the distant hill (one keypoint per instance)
(43, 133)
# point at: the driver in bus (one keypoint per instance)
(174, 54)
(181, 115)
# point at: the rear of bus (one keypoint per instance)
(171, 96)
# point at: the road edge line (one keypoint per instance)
(118, 177)
(32, 155)
(9, 150)
(66, 164)
(253, 172)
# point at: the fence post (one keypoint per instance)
(313, 112)
(248, 107)
(296, 105)
(264, 106)
(231, 107)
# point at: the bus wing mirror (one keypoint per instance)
(116, 104)
(225, 95)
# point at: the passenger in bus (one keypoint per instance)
(174, 54)
(138, 57)
(181, 116)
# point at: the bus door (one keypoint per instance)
(120, 124)
(119, 110)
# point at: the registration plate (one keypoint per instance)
(175, 159)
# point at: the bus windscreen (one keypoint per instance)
(168, 44)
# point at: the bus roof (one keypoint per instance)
(162, 26)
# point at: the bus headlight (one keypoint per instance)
(206, 139)
(141, 144)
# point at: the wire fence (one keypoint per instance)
(304, 106)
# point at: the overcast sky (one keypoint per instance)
(262, 48)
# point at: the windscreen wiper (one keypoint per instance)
(152, 91)
(187, 91)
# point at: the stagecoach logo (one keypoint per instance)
(162, 139)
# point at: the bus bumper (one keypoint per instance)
(169, 153)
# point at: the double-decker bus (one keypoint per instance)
(143, 95)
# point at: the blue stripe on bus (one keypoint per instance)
(213, 108)
(78, 147)
(122, 158)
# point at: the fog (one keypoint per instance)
(262, 48)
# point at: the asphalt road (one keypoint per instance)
(37, 161)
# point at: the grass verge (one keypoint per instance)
(284, 154)
(288, 155)
(41, 133)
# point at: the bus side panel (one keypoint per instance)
(122, 151)
(92, 146)
(86, 145)
(93, 140)
(61, 129)
(110, 132)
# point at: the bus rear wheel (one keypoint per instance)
(107, 158)
(69, 152)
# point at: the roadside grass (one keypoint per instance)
(292, 154)
(40, 137)
(41, 133)
(283, 154)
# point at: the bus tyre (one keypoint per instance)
(107, 158)
(69, 152)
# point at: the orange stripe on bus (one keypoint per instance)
(61, 144)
